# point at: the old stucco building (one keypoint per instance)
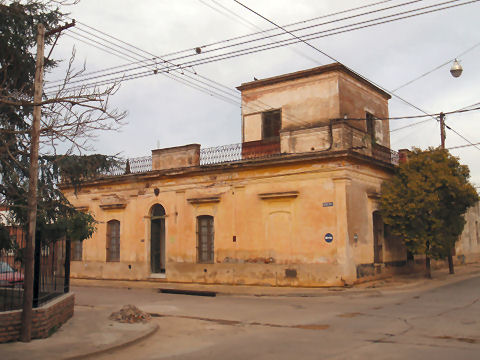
(294, 204)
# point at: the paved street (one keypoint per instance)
(436, 322)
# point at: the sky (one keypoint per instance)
(163, 112)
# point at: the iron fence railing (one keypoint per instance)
(384, 154)
(235, 152)
(132, 165)
(220, 154)
(51, 270)
(394, 157)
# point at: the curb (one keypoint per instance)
(122, 345)
(255, 291)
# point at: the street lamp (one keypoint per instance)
(456, 69)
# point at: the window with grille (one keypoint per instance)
(113, 240)
(77, 249)
(205, 239)
(271, 124)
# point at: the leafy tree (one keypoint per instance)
(424, 202)
(69, 118)
(71, 115)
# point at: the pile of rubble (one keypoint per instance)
(130, 314)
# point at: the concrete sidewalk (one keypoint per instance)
(90, 332)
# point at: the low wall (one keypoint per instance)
(46, 319)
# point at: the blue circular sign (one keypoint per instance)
(328, 237)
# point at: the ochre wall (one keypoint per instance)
(356, 99)
(312, 100)
(276, 213)
(315, 100)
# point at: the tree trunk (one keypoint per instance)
(450, 263)
(428, 273)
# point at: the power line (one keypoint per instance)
(263, 48)
(272, 29)
(223, 56)
(230, 92)
(140, 55)
(281, 43)
(463, 137)
(146, 73)
(411, 125)
(330, 57)
(303, 40)
(316, 35)
(437, 67)
(227, 40)
(249, 24)
(427, 73)
(122, 55)
(463, 146)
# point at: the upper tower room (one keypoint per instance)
(277, 108)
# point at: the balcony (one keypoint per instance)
(338, 136)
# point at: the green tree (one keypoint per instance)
(70, 117)
(424, 202)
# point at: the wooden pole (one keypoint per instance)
(26, 332)
(442, 135)
(442, 130)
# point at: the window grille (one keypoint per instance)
(205, 239)
(113, 240)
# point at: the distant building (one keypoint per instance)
(294, 204)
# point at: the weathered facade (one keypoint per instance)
(296, 203)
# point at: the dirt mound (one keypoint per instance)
(130, 314)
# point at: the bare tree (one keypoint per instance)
(33, 125)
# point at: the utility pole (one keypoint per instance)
(26, 333)
(442, 135)
(442, 129)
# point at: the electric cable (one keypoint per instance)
(332, 58)
(223, 56)
(189, 50)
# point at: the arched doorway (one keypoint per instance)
(157, 239)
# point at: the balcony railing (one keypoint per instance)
(384, 154)
(237, 152)
(132, 165)
(221, 154)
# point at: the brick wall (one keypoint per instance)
(45, 320)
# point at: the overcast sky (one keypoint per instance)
(163, 112)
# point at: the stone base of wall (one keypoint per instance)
(46, 319)
(240, 274)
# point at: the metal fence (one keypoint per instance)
(235, 152)
(132, 165)
(51, 271)
(385, 154)
(220, 154)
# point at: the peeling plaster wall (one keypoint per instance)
(279, 216)
(314, 101)
(356, 99)
(306, 101)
